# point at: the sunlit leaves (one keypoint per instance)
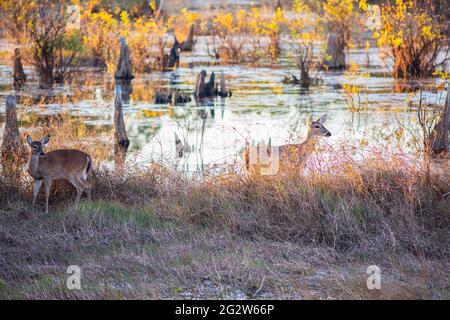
(412, 36)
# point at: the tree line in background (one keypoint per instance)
(57, 39)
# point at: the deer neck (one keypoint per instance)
(33, 166)
(310, 141)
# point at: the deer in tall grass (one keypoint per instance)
(287, 156)
(70, 164)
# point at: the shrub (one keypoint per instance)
(246, 37)
(304, 30)
(412, 37)
(54, 46)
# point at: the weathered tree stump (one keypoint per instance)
(440, 140)
(221, 90)
(174, 58)
(13, 153)
(161, 97)
(335, 52)
(174, 97)
(210, 89)
(179, 97)
(19, 75)
(188, 44)
(210, 86)
(172, 61)
(199, 89)
(124, 67)
(204, 89)
(121, 142)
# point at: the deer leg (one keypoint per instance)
(77, 186)
(48, 185)
(36, 188)
(86, 187)
(88, 192)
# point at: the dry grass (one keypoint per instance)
(159, 234)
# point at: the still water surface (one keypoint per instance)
(262, 107)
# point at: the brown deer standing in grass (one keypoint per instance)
(69, 164)
(287, 156)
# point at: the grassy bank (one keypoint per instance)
(158, 234)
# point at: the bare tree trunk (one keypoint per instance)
(120, 134)
(44, 61)
(305, 80)
(440, 140)
(124, 68)
(19, 75)
(12, 150)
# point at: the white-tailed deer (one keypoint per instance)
(286, 156)
(69, 164)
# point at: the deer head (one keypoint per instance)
(316, 128)
(37, 146)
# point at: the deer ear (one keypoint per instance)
(311, 119)
(45, 139)
(322, 119)
(29, 140)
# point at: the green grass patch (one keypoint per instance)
(116, 213)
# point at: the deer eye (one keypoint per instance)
(317, 126)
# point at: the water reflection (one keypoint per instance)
(126, 89)
(261, 108)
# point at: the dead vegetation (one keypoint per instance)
(155, 233)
